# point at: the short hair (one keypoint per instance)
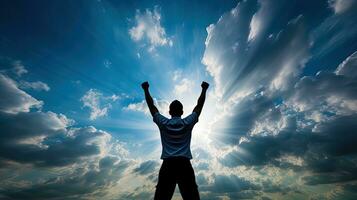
(176, 108)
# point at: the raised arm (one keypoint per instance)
(149, 99)
(201, 99)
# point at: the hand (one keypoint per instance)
(145, 85)
(204, 85)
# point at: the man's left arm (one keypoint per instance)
(148, 98)
(201, 99)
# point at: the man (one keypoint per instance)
(176, 154)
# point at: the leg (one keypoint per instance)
(166, 183)
(187, 183)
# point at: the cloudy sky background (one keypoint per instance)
(279, 121)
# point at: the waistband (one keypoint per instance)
(177, 158)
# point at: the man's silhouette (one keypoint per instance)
(176, 154)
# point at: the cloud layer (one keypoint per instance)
(32, 139)
(273, 114)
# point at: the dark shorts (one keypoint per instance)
(176, 170)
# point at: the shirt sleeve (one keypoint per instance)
(159, 119)
(192, 119)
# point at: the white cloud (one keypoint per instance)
(270, 123)
(255, 26)
(176, 75)
(140, 107)
(334, 93)
(239, 72)
(15, 100)
(148, 27)
(347, 67)
(294, 160)
(107, 63)
(37, 85)
(340, 6)
(97, 103)
(184, 86)
(18, 68)
(114, 97)
(162, 106)
(262, 18)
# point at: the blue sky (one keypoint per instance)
(278, 123)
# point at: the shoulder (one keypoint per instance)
(159, 118)
(192, 118)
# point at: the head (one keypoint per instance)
(176, 109)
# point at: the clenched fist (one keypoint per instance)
(204, 85)
(145, 85)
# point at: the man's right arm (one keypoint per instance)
(201, 99)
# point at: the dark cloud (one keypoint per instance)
(43, 139)
(333, 138)
(202, 166)
(243, 116)
(352, 187)
(201, 179)
(336, 137)
(266, 198)
(146, 167)
(262, 150)
(229, 184)
(282, 189)
(200, 153)
(78, 185)
(139, 195)
(243, 195)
